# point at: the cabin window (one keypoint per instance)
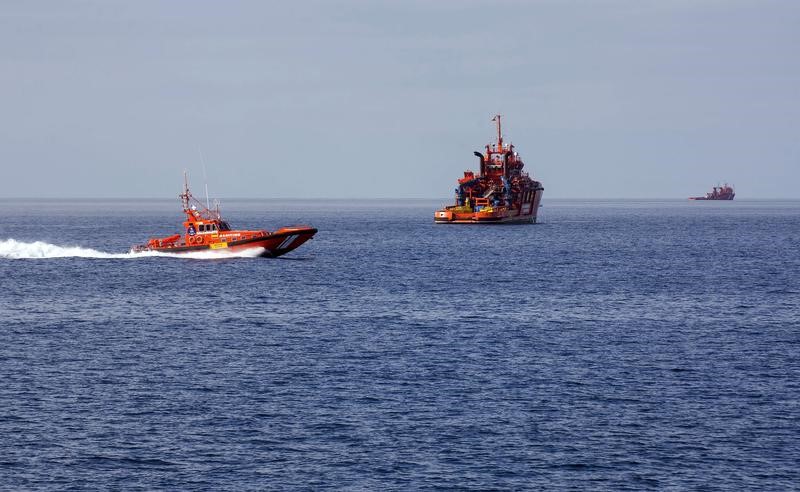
(202, 228)
(223, 226)
(213, 227)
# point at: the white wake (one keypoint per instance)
(17, 250)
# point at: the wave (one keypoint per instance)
(18, 250)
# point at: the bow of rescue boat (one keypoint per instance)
(277, 243)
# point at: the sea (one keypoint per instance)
(614, 345)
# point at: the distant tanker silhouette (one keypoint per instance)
(724, 192)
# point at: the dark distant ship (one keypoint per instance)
(724, 192)
(500, 193)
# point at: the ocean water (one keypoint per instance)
(617, 345)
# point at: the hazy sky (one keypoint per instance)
(389, 99)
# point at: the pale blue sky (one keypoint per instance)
(389, 99)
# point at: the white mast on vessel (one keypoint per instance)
(205, 178)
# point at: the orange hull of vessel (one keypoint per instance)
(526, 214)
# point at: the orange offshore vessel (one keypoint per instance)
(725, 192)
(206, 230)
(501, 192)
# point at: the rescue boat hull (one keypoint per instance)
(273, 245)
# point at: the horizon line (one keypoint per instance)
(27, 198)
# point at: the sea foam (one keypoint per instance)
(13, 249)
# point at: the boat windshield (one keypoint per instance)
(223, 226)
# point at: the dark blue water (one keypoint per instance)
(618, 345)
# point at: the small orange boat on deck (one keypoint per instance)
(501, 192)
(207, 231)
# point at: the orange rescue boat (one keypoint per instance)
(207, 231)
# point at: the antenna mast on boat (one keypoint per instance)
(185, 194)
(499, 132)
(205, 178)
